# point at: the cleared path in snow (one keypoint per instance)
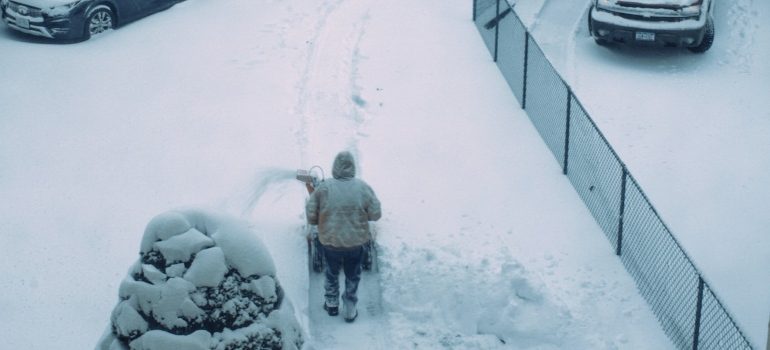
(368, 330)
(331, 117)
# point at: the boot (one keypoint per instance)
(331, 310)
(349, 312)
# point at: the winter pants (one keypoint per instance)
(350, 261)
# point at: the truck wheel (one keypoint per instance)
(708, 38)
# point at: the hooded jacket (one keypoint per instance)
(343, 206)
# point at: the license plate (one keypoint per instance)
(22, 22)
(645, 36)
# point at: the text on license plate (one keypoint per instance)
(22, 22)
(645, 36)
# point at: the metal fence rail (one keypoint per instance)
(686, 307)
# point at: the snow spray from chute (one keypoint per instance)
(273, 176)
(263, 180)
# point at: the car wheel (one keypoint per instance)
(708, 38)
(99, 20)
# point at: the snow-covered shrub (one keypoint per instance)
(203, 281)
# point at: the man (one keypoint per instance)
(342, 208)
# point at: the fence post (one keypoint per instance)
(526, 68)
(497, 28)
(474, 10)
(566, 132)
(623, 185)
(698, 309)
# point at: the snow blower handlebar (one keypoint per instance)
(310, 178)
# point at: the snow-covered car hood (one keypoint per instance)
(656, 3)
(43, 4)
(655, 9)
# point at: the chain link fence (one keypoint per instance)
(685, 305)
(512, 41)
(594, 170)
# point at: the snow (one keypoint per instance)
(245, 252)
(154, 275)
(182, 247)
(154, 340)
(678, 3)
(264, 287)
(482, 239)
(685, 24)
(208, 269)
(692, 129)
(127, 320)
(173, 296)
(163, 227)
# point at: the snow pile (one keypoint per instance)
(202, 281)
(495, 303)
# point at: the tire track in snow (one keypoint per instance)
(302, 110)
(332, 118)
(565, 22)
(330, 106)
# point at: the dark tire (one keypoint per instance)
(708, 38)
(316, 255)
(99, 20)
(370, 255)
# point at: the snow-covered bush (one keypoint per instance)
(203, 281)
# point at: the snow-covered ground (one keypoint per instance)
(214, 103)
(693, 129)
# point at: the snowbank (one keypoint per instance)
(464, 303)
(203, 281)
